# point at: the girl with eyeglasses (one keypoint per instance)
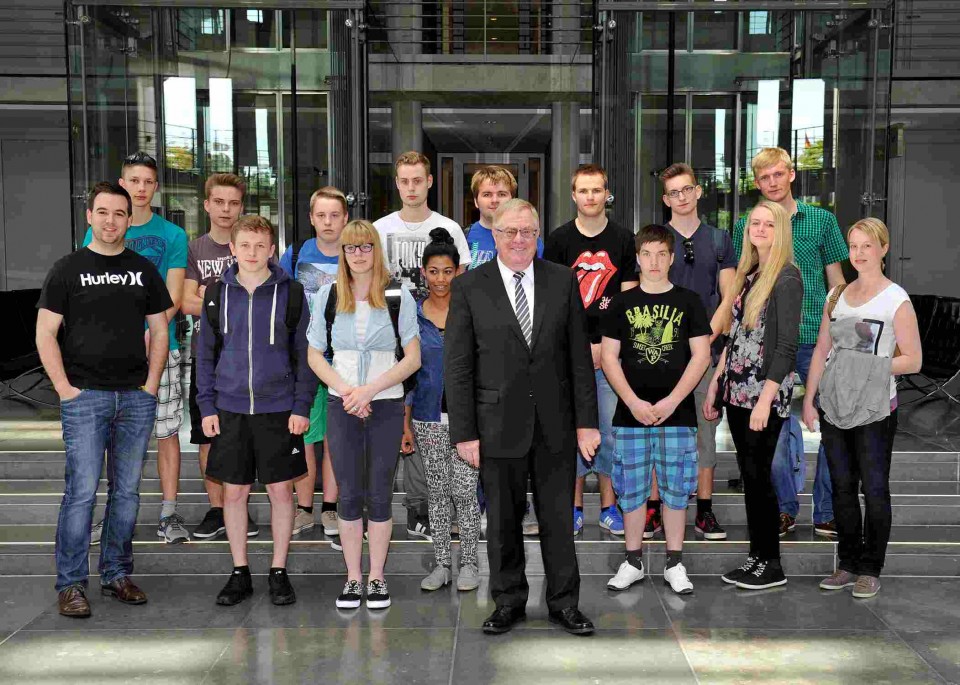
(353, 349)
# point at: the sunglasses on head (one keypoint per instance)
(140, 159)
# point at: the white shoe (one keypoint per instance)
(676, 578)
(627, 575)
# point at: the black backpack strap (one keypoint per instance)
(329, 314)
(294, 306)
(393, 306)
(211, 309)
(295, 256)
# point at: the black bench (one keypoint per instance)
(938, 318)
(21, 374)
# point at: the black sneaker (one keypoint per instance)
(763, 575)
(237, 589)
(253, 530)
(418, 526)
(377, 595)
(708, 527)
(654, 524)
(281, 591)
(736, 574)
(351, 596)
(211, 526)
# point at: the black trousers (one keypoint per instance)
(860, 459)
(755, 450)
(552, 477)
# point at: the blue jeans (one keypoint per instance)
(97, 421)
(607, 405)
(782, 469)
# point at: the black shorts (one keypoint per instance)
(196, 421)
(255, 447)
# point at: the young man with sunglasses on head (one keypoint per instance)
(704, 262)
(165, 245)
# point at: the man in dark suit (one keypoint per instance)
(521, 397)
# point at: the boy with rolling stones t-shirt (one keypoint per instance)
(602, 255)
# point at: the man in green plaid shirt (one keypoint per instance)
(818, 248)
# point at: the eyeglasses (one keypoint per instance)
(365, 248)
(686, 190)
(140, 159)
(511, 233)
(688, 255)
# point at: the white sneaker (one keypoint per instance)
(627, 575)
(676, 578)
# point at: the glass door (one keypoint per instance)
(457, 170)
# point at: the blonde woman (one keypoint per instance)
(365, 406)
(755, 377)
(854, 367)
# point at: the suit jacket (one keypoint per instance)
(496, 386)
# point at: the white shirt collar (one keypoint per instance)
(507, 273)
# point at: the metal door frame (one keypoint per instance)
(461, 158)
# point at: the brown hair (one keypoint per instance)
(330, 193)
(588, 170)
(495, 174)
(255, 224)
(654, 233)
(226, 180)
(678, 169)
(358, 232)
(412, 158)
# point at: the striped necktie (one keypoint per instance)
(523, 309)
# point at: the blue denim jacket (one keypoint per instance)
(429, 391)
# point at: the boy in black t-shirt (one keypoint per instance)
(655, 349)
(100, 295)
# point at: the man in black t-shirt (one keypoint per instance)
(656, 347)
(602, 255)
(107, 384)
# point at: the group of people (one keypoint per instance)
(497, 361)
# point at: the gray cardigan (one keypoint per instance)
(784, 310)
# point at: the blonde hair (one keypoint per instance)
(412, 158)
(496, 175)
(515, 205)
(874, 228)
(781, 254)
(330, 193)
(768, 157)
(358, 232)
(227, 181)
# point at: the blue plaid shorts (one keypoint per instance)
(670, 450)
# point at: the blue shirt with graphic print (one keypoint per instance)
(314, 269)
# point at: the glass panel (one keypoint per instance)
(714, 139)
(655, 33)
(257, 153)
(652, 151)
(306, 166)
(715, 30)
(201, 29)
(253, 28)
(310, 25)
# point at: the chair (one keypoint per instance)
(21, 362)
(938, 319)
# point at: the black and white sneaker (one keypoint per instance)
(709, 528)
(351, 596)
(763, 575)
(736, 574)
(212, 525)
(419, 527)
(377, 595)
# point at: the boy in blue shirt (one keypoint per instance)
(491, 186)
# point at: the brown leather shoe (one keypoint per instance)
(124, 590)
(72, 602)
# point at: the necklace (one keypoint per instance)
(411, 226)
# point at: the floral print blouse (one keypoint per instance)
(742, 380)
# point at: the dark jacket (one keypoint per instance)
(497, 387)
(257, 372)
(784, 309)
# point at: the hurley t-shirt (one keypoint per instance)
(206, 261)
(104, 302)
(482, 247)
(164, 244)
(602, 263)
(654, 331)
(314, 269)
(403, 243)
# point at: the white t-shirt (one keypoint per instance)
(404, 241)
(875, 322)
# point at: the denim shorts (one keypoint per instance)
(607, 404)
(670, 450)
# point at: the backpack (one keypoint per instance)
(716, 234)
(295, 256)
(291, 318)
(393, 307)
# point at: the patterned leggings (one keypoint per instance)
(449, 476)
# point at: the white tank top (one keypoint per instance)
(875, 322)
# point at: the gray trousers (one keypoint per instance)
(416, 498)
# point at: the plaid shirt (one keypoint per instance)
(817, 241)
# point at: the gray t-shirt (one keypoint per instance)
(206, 261)
(701, 276)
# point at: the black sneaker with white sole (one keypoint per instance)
(736, 574)
(377, 595)
(212, 525)
(351, 596)
(709, 528)
(765, 574)
(418, 526)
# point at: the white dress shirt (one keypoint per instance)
(511, 284)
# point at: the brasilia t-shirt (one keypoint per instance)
(654, 331)
(206, 261)
(104, 301)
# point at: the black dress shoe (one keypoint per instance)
(503, 619)
(572, 621)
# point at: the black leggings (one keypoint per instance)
(755, 450)
(364, 455)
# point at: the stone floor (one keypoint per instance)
(909, 633)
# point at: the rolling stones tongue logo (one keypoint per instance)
(594, 271)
